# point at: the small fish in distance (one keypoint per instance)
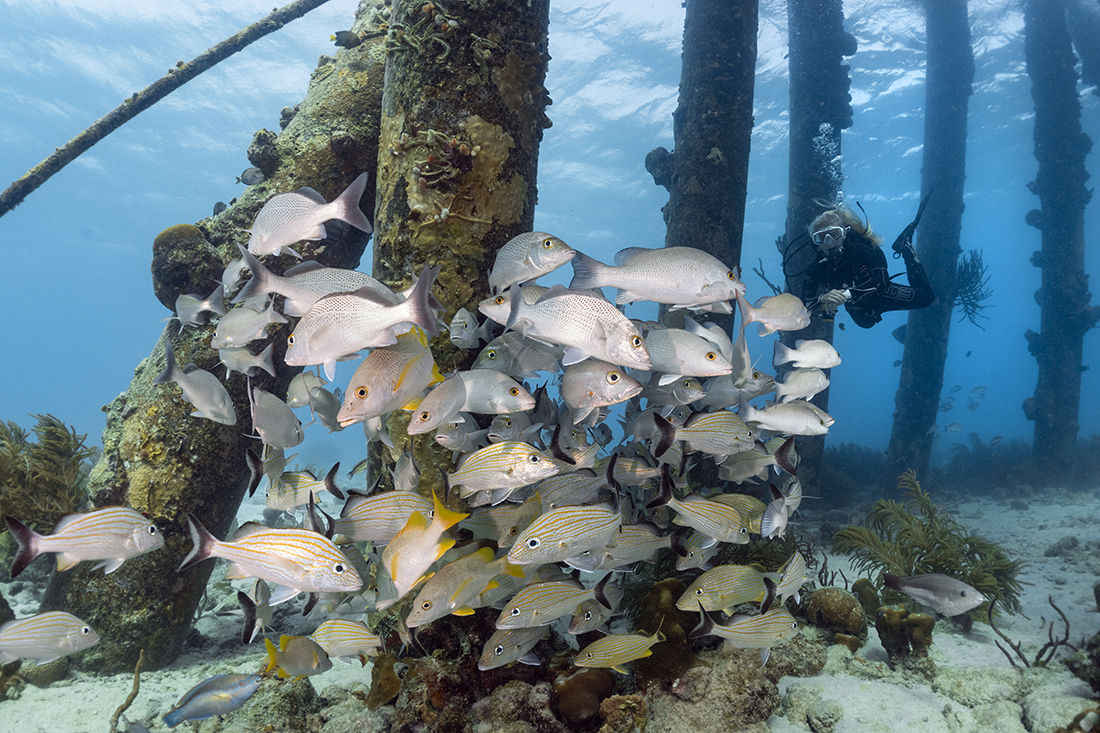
(946, 595)
(251, 176)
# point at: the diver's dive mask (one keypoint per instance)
(830, 239)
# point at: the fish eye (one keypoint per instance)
(85, 630)
(744, 530)
(533, 458)
(490, 355)
(533, 543)
(515, 611)
(290, 340)
(426, 605)
(636, 341)
(338, 568)
(711, 356)
(499, 300)
(514, 391)
(587, 615)
(756, 375)
(687, 383)
(153, 531)
(547, 243)
(588, 655)
(425, 416)
(698, 591)
(499, 649)
(729, 275)
(361, 392)
(613, 377)
(513, 531)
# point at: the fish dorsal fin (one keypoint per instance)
(374, 296)
(247, 529)
(554, 291)
(303, 267)
(624, 256)
(310, 194)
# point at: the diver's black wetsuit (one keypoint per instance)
(861, 268)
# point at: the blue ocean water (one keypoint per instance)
(77, 292)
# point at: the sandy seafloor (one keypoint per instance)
(975, 688)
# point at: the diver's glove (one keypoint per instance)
(831, 300)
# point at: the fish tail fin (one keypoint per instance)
(27, 539)
(678, 540)
(781, 353)
(786, 455)
(420, 301)
(668, 435)
(891, 581)
(587, 272)
(202, 540)
(444, 515)
(666, 489)
(705, 626)
(261, 281)
(170, 369)
(600, 594)
(769, 596)
(256, 467)
(330, 482)
(347, 204)
(272, 655)
(747, 314)
(249, 608)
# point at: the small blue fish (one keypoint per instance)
(251, 176)
(219, 695)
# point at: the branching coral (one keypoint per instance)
(920, 537)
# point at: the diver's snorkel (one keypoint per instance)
(830, 241)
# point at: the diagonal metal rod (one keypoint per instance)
(147, 97)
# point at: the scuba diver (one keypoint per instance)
(851, 269)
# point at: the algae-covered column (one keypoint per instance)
(820, 108)
(1060, 148)
(462, 118)
(707, 174)
(948, 77)
(159, 459)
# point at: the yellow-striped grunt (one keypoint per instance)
(723, 587)
(512, 645)
(565, 532)
(507, 465)
(592, 614)
(793, 578)
(457, 585)
(346, 641)
(751, 632)
(295, 558)
(633, 543)
(719, 521)
(379, 517)
(694, 550)
(615, 650)
(45, 637)
(419, 544)
(720, 433)
(112, 535)
(293, 488)
(751, 509)
(542, 603)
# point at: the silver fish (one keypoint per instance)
(616, 650)
(291, 217)
(683, 277)
(45, 637)
(441, 405)
(796, 417)
(251, 176)
(242, 325)
(189, 308)
(490, 392)
(202, 389)
(217, 695)
(240, 359)
(405, 472)
(679, 353)
(527, 257)
(518, 356)
(294, 488)
(944, 594)
(783, 312)
(801, 384)
(513, 426)
(112, 535)
(682, 391)
(565, 532)
(497, 307)
(304, 284)
(274, 421)
(460, 434)
(581, 321)
(792, 580)
(380, 517)
(326, 407)
(512, 645)
(806, 353)
(345, 640)
(296, 656)
(465, 333)
(257, 610)
(591, 384)
(340, 325)
(507, 465)
(297, 394)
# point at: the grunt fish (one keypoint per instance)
(346, 641)
(291, 217)
(512, 645)
(525, 258)
(783, 312)
(419, 544)
(592, 384)
(542, 603)
(679, 353)
(243, 325)
(761, 631)
(465, 333)
(616, 650)
(112, 535)
(807, 353)
(202, 389)
(565, 532)
(44, 637)
(518, 356)
(296, 656)
(507, 465)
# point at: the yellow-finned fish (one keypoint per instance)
(296, 656)
(414, 549)
(45, 637)
(723, 587)
(761, 631)
(512, 645)
(508, 465)
(616, 650)
(379, 517)
(346, 641)
(565, 532)
(542, 603)
(389, 378)
(457, 585)
(112, 535)
(295, 558)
